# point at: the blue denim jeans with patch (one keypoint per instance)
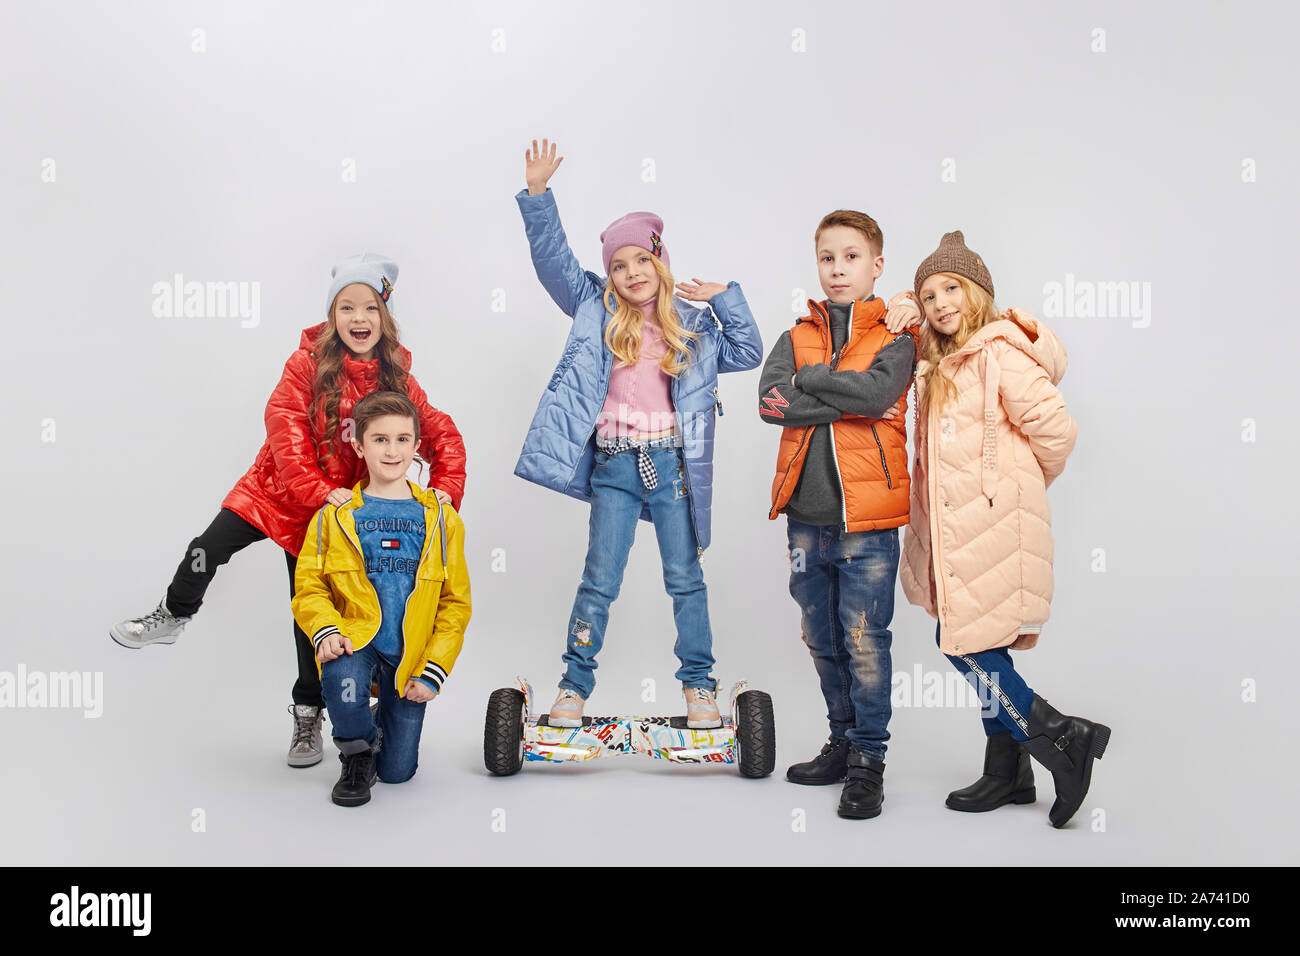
(1004, 696)
(617, 493)
(345, 682)
(844, 585)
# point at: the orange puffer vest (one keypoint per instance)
(870, 454)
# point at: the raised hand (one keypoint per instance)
(540, 166)
(699, 291)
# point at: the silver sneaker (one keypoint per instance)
(159, 626)
(305, 746)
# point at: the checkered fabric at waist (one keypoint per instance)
(642, 446)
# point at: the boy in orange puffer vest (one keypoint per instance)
(842, 482)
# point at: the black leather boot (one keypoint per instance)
(1008, 778)
(827, 767)
(1066, 746)
(864, 786)
(360, 771)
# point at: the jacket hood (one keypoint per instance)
(425, 496)
(309, 336)
(1022, 330)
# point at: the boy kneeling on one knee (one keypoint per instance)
(382, 589)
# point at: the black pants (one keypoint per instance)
(227, 534)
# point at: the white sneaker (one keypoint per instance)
(567, 710)
(701, 708)
(159, 626)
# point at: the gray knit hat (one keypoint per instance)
(372, 269)
(952, 256)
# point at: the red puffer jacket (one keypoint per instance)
(285, 487)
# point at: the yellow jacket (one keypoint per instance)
(332, 594)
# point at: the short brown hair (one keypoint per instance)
(854, 220)
(375, 404)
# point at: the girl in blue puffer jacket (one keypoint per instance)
(626, 422)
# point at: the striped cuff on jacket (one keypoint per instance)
(434, 674)
(323, 633)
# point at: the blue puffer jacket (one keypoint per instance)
(559, 450)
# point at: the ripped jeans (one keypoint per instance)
(844, 585)
(617, 494)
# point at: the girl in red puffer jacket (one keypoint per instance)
(307, 461)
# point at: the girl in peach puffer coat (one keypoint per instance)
(992, 433)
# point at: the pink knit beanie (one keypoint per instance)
(641, 229)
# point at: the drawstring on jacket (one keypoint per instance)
(989, 457)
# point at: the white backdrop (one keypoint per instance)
(262, 143)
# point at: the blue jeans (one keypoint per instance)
(345, 682)
(844, 585)
(616, 498)
(1004, 696)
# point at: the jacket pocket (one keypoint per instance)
(884, 466)
(431, 571)
(570, 353)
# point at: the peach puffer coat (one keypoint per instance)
(977, 551)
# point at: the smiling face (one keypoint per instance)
(633, 272)
(943, 301)
(356, 319)
(388, 447)
(847, 264)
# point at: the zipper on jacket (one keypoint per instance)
(888, 482)
(717, 401)
(936, 539)
(406, 606)
(362, 556)
(686, 472)
(836, 355)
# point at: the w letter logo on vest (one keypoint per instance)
(773, 403)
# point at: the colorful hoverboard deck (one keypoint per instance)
(513, 736)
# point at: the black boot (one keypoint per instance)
(864, 786)
(827, 767)
(360, 771)
(1008, 778)
(1066, 746)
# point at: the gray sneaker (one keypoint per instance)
(305, 745)
(159, 626)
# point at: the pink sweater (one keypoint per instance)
(639, 403)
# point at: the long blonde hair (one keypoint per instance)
(977, 311)
(623, 333)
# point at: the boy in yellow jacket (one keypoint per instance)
(382, 590)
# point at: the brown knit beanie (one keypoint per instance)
(952, 256)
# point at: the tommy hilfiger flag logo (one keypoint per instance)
(389, 544)
(387, 290)
(773, 403)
